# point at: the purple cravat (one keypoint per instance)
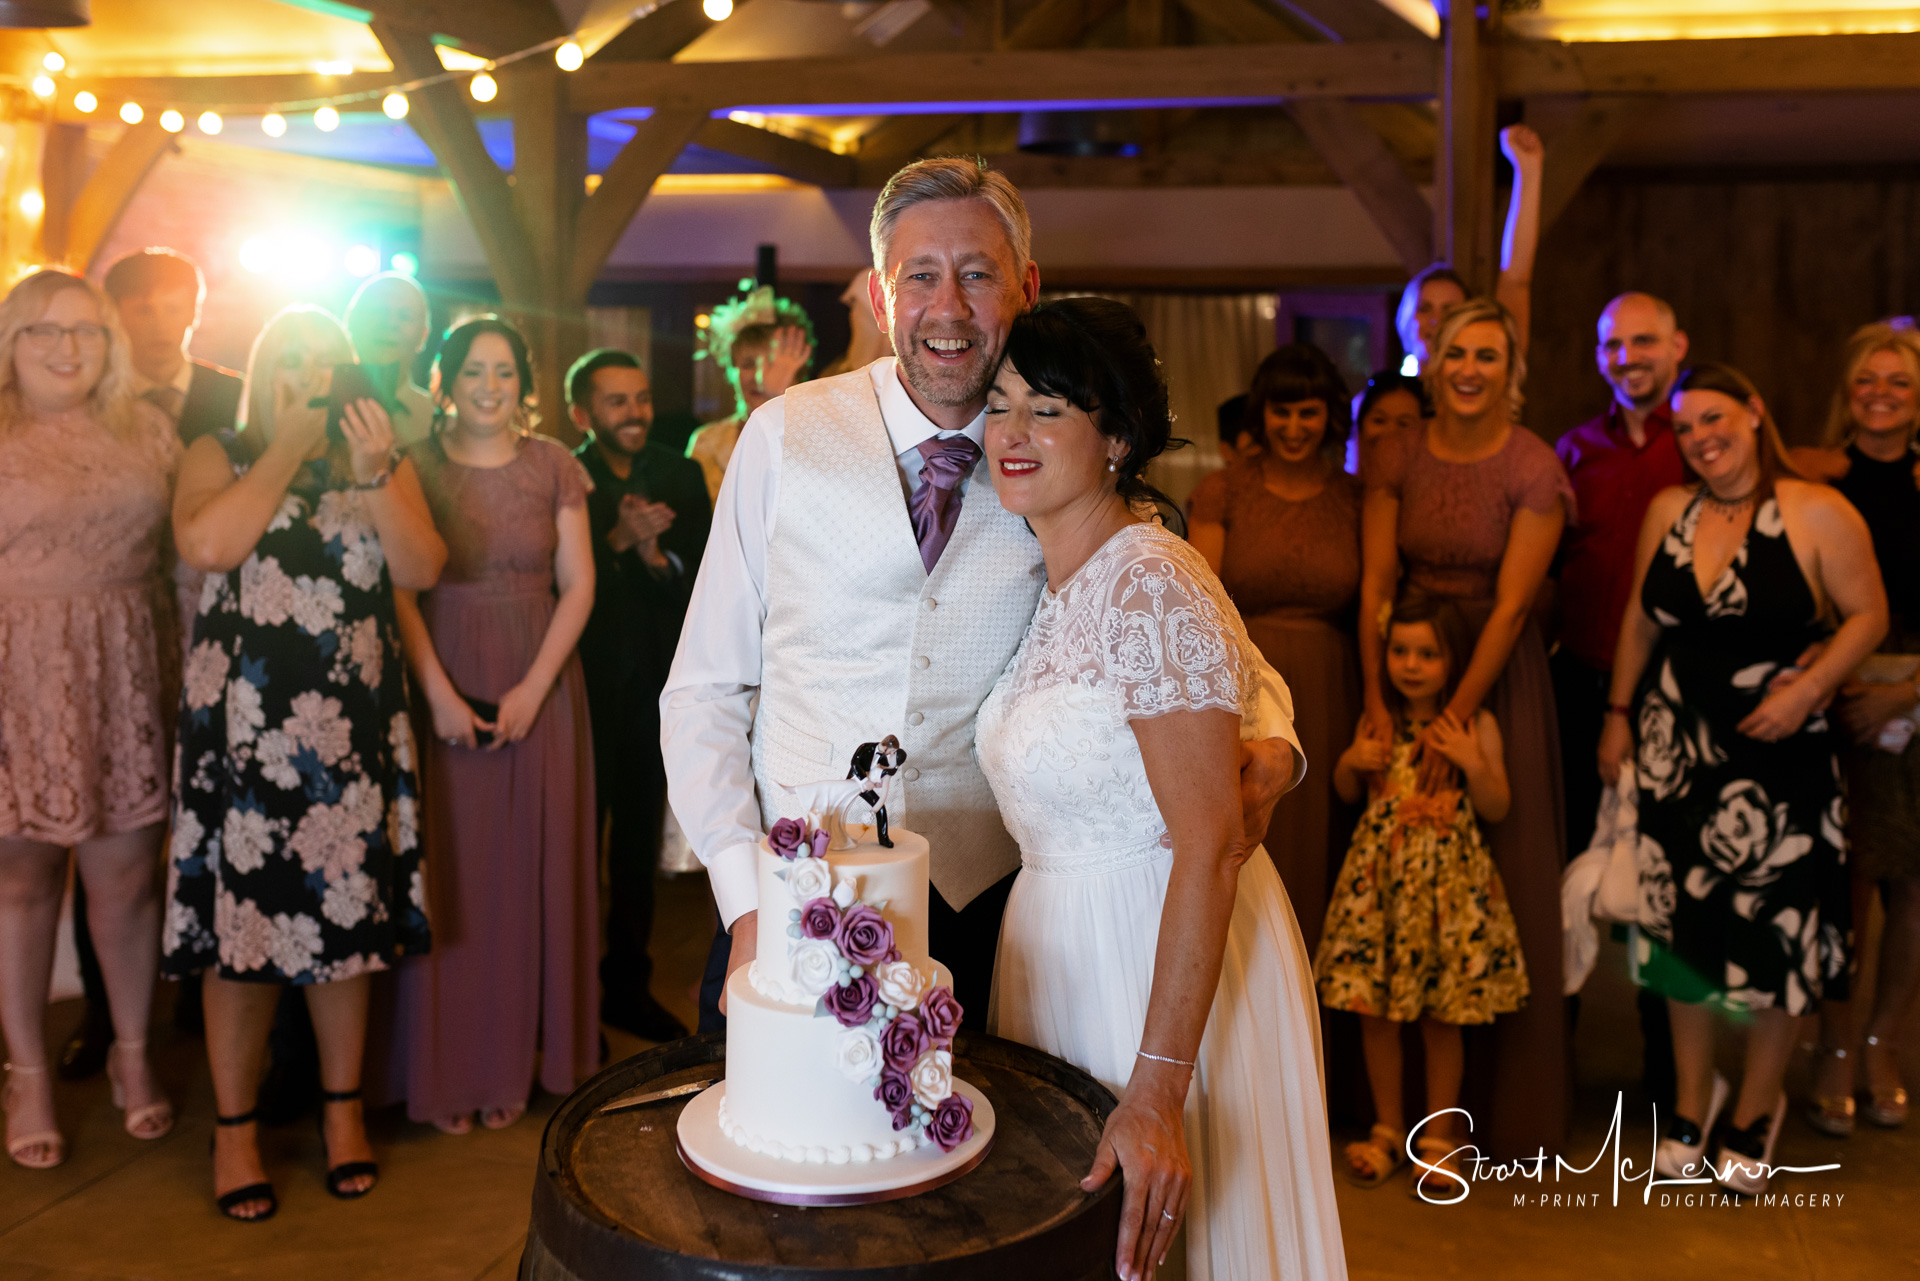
(935, 505)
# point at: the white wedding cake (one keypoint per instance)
(839, 1035)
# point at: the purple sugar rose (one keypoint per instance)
(852, 1003)
(819, 919)
(952, 1122)
(865, 938)
(896, 1096)
(786, 837)
(819, 841)
(904, 1041)
(940, 1013)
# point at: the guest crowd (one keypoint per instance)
(374, 671)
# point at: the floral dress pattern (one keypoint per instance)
(1419, 923)
(296, 851)
(1752, 833)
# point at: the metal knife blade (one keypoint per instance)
(628, 1102)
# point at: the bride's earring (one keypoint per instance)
(1111, 466)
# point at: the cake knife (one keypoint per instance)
(628, 1102)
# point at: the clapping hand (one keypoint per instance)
(1145, 1139)
(642, 523)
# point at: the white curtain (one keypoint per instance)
(1209, 345)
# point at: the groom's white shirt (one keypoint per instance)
(708, 706)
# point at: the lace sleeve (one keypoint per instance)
(1169, 640)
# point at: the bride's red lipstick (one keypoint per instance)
(1019, 466)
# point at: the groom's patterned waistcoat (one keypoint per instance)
(861, 642)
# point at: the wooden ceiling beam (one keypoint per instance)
(490, 28)
(801, 161)
(660, 35)
(656, 142)
(1373, 173)
(110, 189)
(1350, 21)
(1577, 141)
(1056, 23)
(1775, 64)
(1211, 72)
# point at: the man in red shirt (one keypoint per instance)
(1617, 462)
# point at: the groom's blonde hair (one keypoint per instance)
(951, 178)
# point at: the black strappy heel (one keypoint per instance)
(338, 1175)
(231, 1201)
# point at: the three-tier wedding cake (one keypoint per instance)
(839, 1084)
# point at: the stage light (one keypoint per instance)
(256, 255)
(43, 86)
(569, 56)
(326, 120)
(32, 203)
(84, 102)
(172, 121)
(718, 10)
(53, 61)
(482, 87)
(273, 124)
(210, 122)
(131, 113)
(1410, 367)
(404, 263)
(361, 260)
(334, 67)
(395, 105)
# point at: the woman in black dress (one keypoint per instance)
(1739, 787)
(296, 857)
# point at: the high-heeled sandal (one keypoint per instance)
(1885, 1108)
(1678, 1154)
(338, 1176)
(19, 1145)
(149, 1121)
(1743, 1159)
(231, 1201)
(1379, 1153)
(1831, 1114)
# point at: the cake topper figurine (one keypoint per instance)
(868, 782)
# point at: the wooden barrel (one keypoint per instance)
(612, 1198)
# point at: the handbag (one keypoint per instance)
(1622, 878)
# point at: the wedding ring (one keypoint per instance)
(453, 742)
(1167, 1216)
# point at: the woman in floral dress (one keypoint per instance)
(1739, 788)
(295, 852)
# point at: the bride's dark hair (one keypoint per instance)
(1093, 353)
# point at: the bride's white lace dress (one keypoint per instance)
(1143, 629)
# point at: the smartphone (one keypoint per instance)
(485, 711)
(350, 383)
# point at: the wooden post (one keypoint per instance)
(549, 186)
(1463, 176)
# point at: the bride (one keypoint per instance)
(1145, 942)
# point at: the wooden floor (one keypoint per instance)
(456, 1208)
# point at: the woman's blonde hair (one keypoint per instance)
(1475, 311)
(1866, 342)
(112, 397)
(298, 324)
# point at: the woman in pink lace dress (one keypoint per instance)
(1470, 506)
(85, 470)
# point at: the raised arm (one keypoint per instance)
(1521, 240)
(1639, 633)
(414, 550)
(218, 517)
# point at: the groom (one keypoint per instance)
(862, 579)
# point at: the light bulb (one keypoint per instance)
(395, 105)
(84, 102)
(131, 113)
(43, 86)
(718, 10)
(210, 122)
(53, 61)
(32, 203)
(569, 56)
(482, 87)
(273, 124)
(172, 121)
(326, 120)
(405, 263)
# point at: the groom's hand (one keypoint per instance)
(746, 937)
(1266, 767)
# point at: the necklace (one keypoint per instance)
(1727, 506)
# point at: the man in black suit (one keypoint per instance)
(649, 514)
(158, 294)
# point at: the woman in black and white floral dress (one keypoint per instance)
(295, 855)
(1739, 788)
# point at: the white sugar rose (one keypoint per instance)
(859, 1057)
(932, 1078)
(809, 879)
(901, 986)
(814, 964)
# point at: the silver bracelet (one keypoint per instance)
(1161, 1058)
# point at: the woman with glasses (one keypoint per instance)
(296, 851)
(84, 470)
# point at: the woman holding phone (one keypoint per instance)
(510, 828)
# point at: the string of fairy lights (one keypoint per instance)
(568, 52)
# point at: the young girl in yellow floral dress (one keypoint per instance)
(1419, 927)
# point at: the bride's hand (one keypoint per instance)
(1145, 1139)
(1266, 767)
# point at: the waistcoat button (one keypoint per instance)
(930, 604)
(922, 661)
(914, 718)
